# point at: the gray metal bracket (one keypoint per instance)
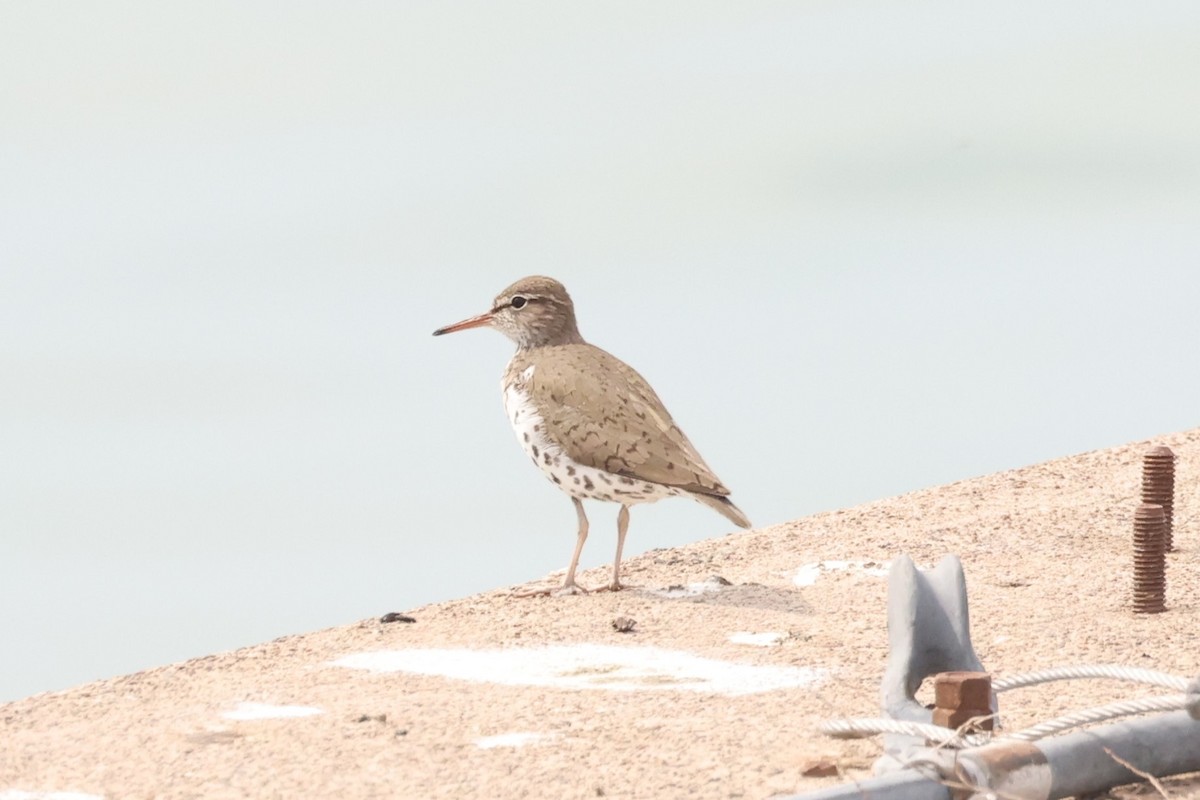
(929, 632)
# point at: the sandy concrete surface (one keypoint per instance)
(716, 691)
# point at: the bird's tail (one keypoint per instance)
(724, 507)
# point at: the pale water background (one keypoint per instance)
(858, 247)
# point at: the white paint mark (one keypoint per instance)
(764, 639)
(809, 573)
(268, 711)
(18, 794)
(517, 739)
(589, 666)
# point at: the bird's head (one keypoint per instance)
(533, 312)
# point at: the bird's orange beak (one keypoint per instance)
(473, 322)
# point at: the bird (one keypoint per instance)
(588, 420)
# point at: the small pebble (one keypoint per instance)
(820, 769)
(623, 624)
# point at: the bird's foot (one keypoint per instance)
(616, 586)
(565, 590)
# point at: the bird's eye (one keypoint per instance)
(518, 302)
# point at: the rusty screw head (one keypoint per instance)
(962, 696)
(1149, 562)
(1158, 487)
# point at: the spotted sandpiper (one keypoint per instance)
(589, 421)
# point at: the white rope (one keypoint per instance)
(1112, 671)
(862, 728)
(1099, 714)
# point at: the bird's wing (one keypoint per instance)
(605, 415)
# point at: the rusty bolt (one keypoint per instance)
(1149, 562)
(962, 696)
(1158, 488)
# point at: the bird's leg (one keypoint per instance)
(569, 586)
(622, 528)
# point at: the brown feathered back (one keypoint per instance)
(605, 415)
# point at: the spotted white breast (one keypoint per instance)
(577, 480)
